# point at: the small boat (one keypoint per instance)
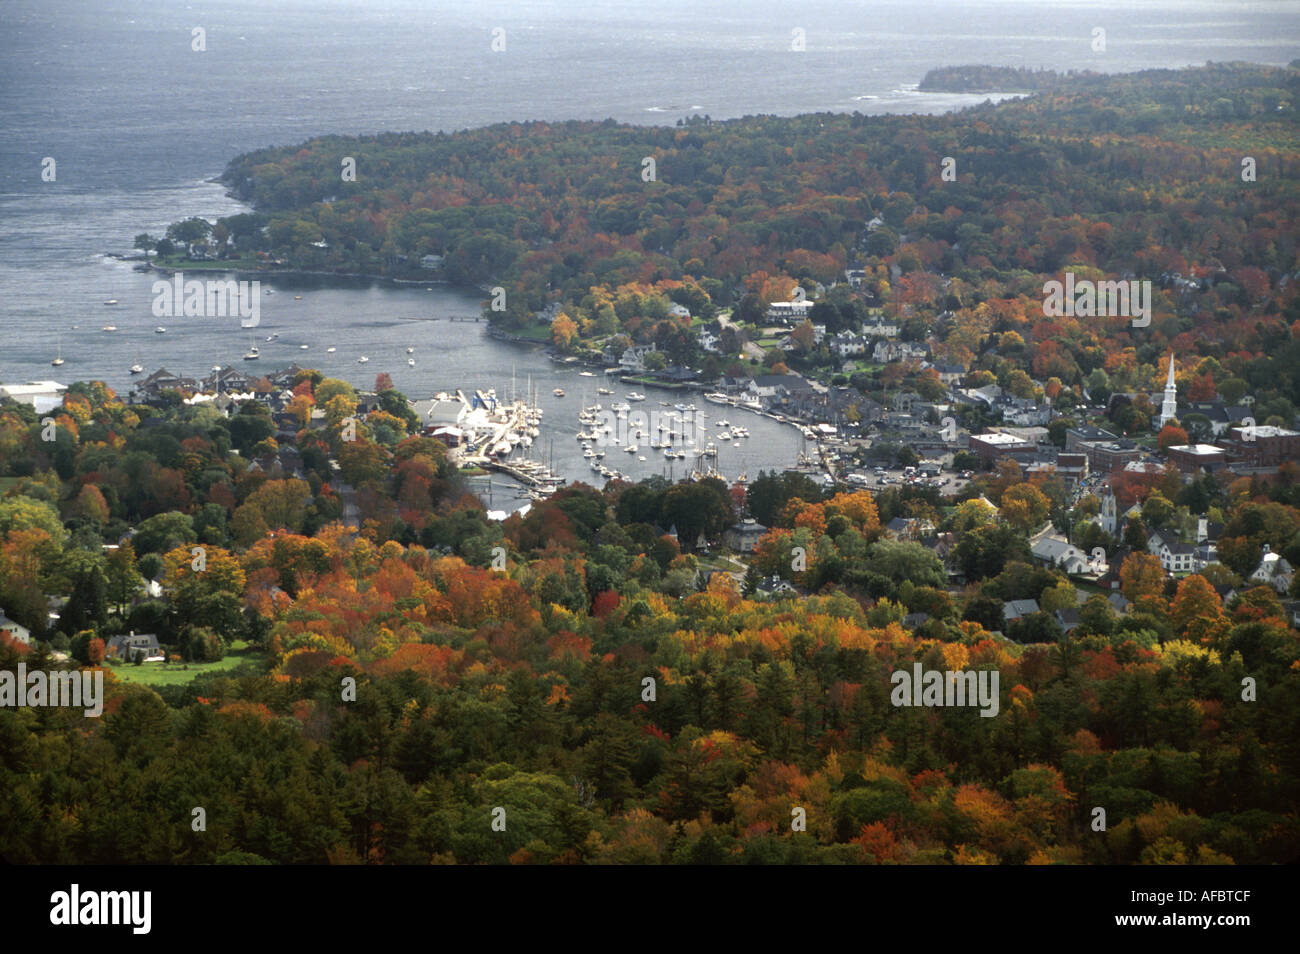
(160, 330)
(668, 452)
(717, 397)
(135, 368)
(111, 301)
(216, 367)
(585, 374)
(302, 347)
(410, 362)
(297, 298)
(273, 337)
(410, 351)
(604, 391)
(330, 350)
(110, 328)
(640, 457)
(634, 396)
(558, 392)
(362, 360)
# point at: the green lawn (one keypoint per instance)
(158, 674)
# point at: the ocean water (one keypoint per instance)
(138, 122)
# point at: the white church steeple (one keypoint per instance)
(1169, 406)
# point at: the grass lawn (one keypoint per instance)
(157, 674)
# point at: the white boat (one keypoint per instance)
(252, 354)
(604, 391)
(297, 298)
(110, 328)
(668, 452)
(160, 330)
(717, 397)
(330, 350)
(273, 337)
(585, 374)
(111, 301)
(135, 368)
(634, 396)
(722, 422)
(362, 360)
(630, 448)
(411, 362)
(640, 457)
(620, 408)
(410, 351)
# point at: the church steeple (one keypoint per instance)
(1169, 406)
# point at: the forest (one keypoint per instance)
(621, 694)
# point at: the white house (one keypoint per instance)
(846, 344)
(886, 352)
(787, 310)
(1178, 557)
(14, 630)
(1274, 571)
(633, 358)
(41, 395)
(1060, 553)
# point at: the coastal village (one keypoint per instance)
(906, 442)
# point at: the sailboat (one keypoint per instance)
(136, 368)
(252, 354)
(59, 360)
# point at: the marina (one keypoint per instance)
(342, 319)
